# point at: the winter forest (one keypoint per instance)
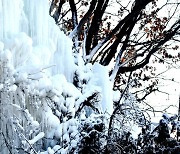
(78, 76)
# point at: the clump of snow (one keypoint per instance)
(50, 151)
(1, 46)
(58, 132)
(36, 138)
(102, 80)
(6, 56)
(116, 95)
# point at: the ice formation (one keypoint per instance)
(34, 40)
(36, 75)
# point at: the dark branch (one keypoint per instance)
(135, 13)
(88, 102)
(86, 16)
(58, 11)
(74, 13)
(118, 107)
(174, 29)
(92, 38)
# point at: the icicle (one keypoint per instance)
(37, 15)
(10, 17)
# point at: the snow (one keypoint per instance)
(36, 138)
(58, 132)
(13, 88)
(116, 95)
(1, 86)
(73, 143)
(6, 55)
(66, 137)
(102, 75)
(44, 84)
(63, 151)
(93, 52)
(51, 119)
(1, 46)
(50, 151)
(56, 148)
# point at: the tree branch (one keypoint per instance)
(169, 35)
(92, 38)
(74, 13)
(88, 14)
(58, 11)
(136, 11)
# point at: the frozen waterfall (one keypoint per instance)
(33, 38)
(36, 66)
(37, 98)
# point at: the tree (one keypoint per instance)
(128, 38)
(138, 33)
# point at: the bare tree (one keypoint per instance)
(126, 36)
(138, 34)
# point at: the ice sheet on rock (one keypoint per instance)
(45, 32)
